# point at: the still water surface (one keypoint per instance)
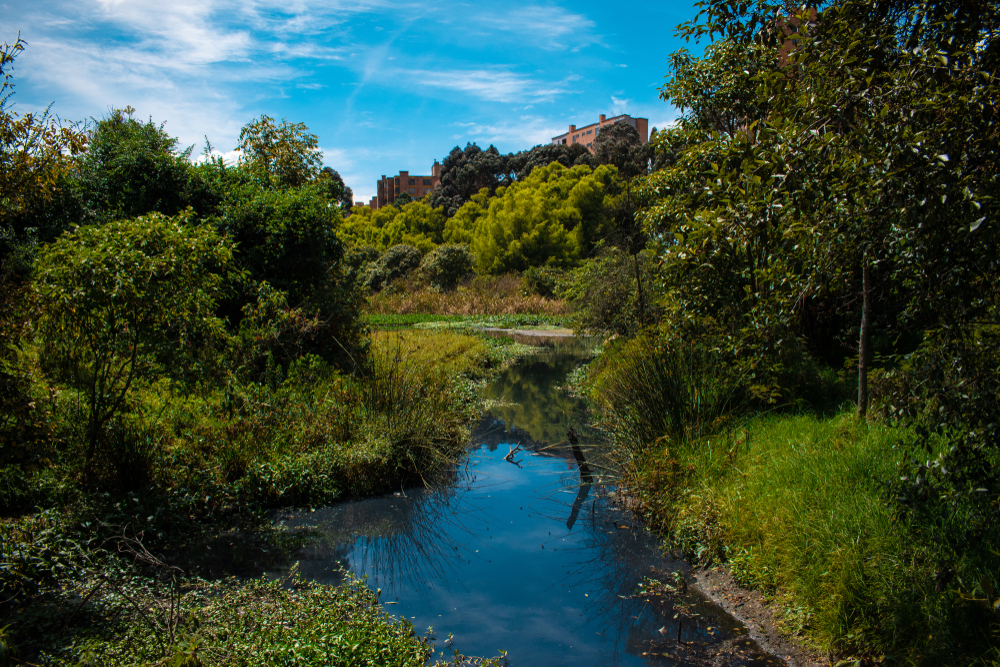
(529, 554)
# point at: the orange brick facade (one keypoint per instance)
(585, 135)
(390, 187)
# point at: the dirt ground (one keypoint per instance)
(751, 609)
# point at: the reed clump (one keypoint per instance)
(480, 295)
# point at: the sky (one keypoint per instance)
(386, 86)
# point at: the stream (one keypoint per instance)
(525, 552)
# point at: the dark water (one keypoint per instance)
(529, 554)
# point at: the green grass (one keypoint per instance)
(194, 469)
(430, 321)
(797, 507)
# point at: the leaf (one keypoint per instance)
(974, 226)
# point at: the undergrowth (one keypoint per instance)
(482, 295)
(190, 476)
(799, 505)
(795, 506)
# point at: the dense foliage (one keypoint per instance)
(827, 201)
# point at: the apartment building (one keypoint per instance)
(585, 135)
(390, 187)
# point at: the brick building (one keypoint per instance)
(390, 187)
(585, 135)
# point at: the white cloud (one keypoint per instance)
(310, 86)
(229, 157)
(527, 132)
(620, 104)
(549, 27)
(495, 85)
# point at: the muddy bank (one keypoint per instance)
(757, 615)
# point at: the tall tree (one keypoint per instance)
(619, 144)
(36, 153)
(132, 168)
(286, 152)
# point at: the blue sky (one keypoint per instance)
(385, 85)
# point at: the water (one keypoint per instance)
(526, 553)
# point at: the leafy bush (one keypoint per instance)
(395, 263)
(542, 281)
(356, 260)
(950, 481)
(303, 479)
(606, 294)
(127, 300)
(133, 168)
(447, 265)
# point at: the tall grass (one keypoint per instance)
(798, 508)
(482, 295)
(650, 389)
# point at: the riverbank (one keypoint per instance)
(788, 516)
(139, 572)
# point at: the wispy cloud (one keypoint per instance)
(497, 85)
(526, 131)
(550, 27)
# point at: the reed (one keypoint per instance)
(482, 295)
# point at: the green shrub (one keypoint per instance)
(606, 295)
(542, 281)
(357, 259)
(128, 300)
(394, 263)
(447, 265)
(305, 479)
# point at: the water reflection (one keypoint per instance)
(534, 558)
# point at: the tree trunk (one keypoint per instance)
(638, 283)
(863, 345)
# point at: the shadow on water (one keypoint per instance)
(526, 552)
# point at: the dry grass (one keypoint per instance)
(483, 295)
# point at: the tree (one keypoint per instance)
(123, 301)
(466, 172)
(337, 190)
(286, 152)
(36, 154)
(619, 144)
(288, 238)
(521, 164)
(132, 168)
(718, 92)
(551, 218)
(863, 178)
(414, 223)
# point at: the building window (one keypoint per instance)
(412, 182)
(397, 191)
(427, 181)
(413, 190)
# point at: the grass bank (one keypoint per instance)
(796, 506)
(128, 564)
